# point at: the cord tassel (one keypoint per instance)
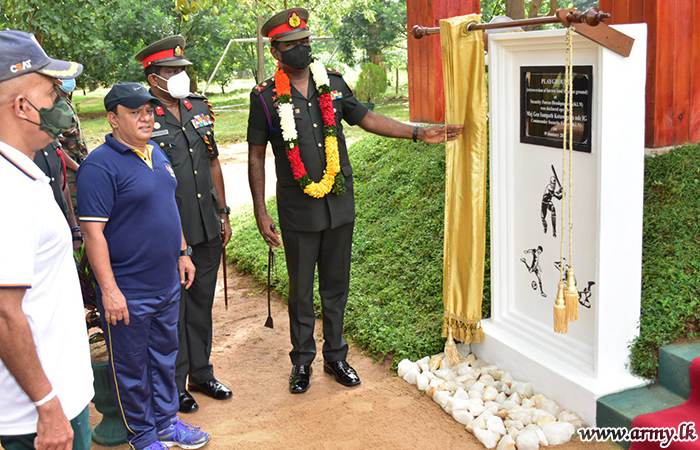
(452, 356)
(571, 296)
(560, 324)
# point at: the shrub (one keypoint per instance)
(371, 83)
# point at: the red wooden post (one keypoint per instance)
(673, 59)
(425, 84)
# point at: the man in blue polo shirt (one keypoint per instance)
(134, 241)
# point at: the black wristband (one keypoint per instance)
(415, 133)
(78, 238)
(225, 210)
(74, 229)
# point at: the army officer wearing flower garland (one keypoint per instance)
(300, 112)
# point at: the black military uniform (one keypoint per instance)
(190, 145)
(50, 162)
(315, 231)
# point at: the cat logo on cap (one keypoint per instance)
(294, 20)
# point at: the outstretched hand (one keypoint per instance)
(440, 133)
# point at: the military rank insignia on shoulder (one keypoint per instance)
(264, 85)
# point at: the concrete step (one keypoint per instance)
(674, 362)
(618, 410)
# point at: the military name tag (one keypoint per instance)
(159, 133)
(202, 120)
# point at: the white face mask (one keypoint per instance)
(178, 85)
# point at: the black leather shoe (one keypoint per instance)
(344, 374)
(212, 388)
(187, 402)
(300, 379)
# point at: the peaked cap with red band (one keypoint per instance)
(287, 25)
(169, 51)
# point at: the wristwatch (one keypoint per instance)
(186, 252)
(225, 210)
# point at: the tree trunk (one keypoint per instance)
(515, 9)
(534, 8)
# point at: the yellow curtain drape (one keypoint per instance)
(465, 187)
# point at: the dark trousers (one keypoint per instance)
(330, 251)
(194, 327)
(142, 365)
(82, 437)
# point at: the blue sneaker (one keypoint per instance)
(182, 434)
(157, 445)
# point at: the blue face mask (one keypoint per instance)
(68, 85)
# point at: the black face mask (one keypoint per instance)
(298, 57)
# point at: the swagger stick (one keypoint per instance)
(223, 262)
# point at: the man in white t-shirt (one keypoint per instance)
(45, 374)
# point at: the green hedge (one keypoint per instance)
(395, 305)
(671, 261)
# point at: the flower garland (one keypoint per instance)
(333, 180)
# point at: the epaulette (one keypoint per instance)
(264, 85)
(196, 96)
(333, 71)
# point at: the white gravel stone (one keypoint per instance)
(518, 425)
(500, 398)
(474, 394)
(464, 349)
(495, 424)
(507, 378)
(490, 393)
(461, 393)
(410, 376)
(546, 404)
(478, 386)
(486, 437)
(527, 403)
(524, 388)
(527, 440)
(467, 385)
(424, 368)
(476, 410)
(541, 417)
(462, 416)
(492, 406)
(445, 374)
(431, 376)
(466, 370)
(404, 366)
(508, 405)
(486, 379)
(438, 384)
(572, 418)
(434, 363)
(522, 416)
(441, 397)
(515, 397)
(471, 358)
(558, 433)
(479, 363)
(476, 424)
(488, 368)
(422, 361)
(458, 403)
(422, 382)
(497, 374)
(514, 432)
(506, 443)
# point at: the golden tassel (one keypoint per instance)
(452, 356)
(560, 324)
(571, 296)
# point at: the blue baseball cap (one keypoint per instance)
(20, 54)
(131, 95)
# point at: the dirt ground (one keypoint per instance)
(384, 412)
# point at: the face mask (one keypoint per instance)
(68, 85)
(56, 119)
(178, 85)
(298, 57)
